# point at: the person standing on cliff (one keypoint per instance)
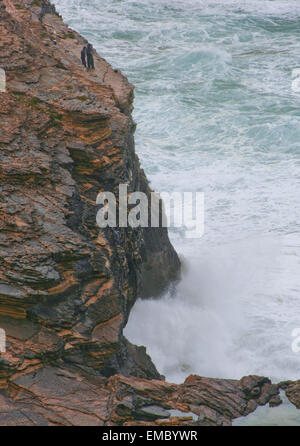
(46, 8)
(83, 56)
(90, 57)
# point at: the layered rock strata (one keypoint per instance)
(61, 396)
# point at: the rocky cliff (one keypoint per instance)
(67, 287)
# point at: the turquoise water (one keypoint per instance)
(217, 113)
(284, 415)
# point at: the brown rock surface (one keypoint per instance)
(61, 396)
(66, 287)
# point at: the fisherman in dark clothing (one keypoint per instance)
(46, 8)
(43, 12)
(83, 56)
(90, 57)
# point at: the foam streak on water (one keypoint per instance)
(216, 113)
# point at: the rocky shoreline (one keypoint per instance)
(66, 287)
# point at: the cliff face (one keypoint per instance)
(67, 287)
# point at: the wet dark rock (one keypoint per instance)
(275, 401)
(292, 391)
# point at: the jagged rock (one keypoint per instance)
(60, 396)
(292, 391)
(212, 402)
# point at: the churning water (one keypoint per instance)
(217, 113)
